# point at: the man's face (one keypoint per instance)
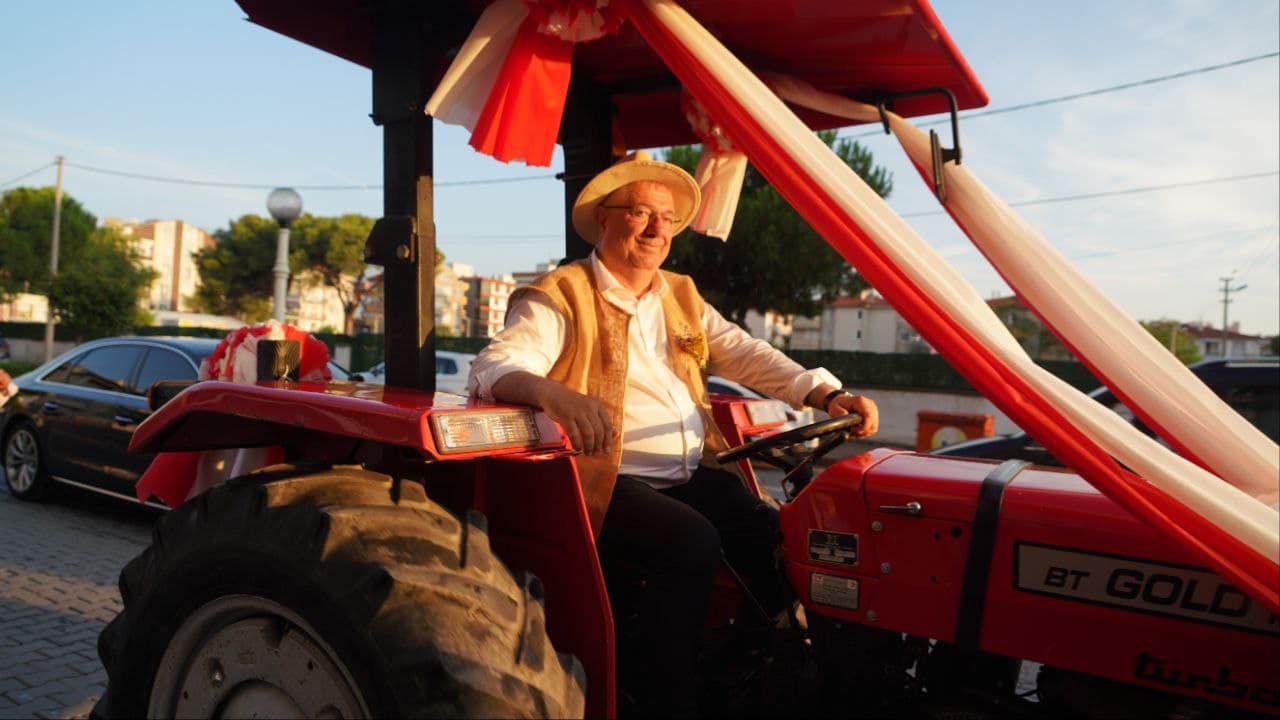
(635, 227)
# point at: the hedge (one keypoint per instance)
(366, 350)
(856, 369)
(918, 371)
(17, 367)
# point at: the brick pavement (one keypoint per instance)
(59, 563)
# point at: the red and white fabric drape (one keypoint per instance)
(1233, 531)
(509, 82)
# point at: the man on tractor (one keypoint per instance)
(617, 351)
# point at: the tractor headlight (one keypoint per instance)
(474, 430)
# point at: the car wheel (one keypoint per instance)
(24, 470)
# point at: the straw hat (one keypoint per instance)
(637, 166)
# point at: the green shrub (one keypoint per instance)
(918, 371)
(17, 367)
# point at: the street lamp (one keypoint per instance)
(285, 206)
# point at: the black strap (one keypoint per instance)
(826, 401)
(982, 542)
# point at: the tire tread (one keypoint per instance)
(451, 631)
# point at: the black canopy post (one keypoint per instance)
(586, 134)
(404, 240)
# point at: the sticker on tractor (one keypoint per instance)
(1138, 585)
(833, 547)
(833, 590)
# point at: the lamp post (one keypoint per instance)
(285, 206)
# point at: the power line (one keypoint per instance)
(973, 254)
(1202, 238)
(445, 237)
(549, 176)
(495, 181)
(1092, 93)
(260, 186)
(1124, 191)
(27, 174)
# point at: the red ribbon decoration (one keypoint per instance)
(171, 475)
(521, 118)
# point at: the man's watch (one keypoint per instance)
(826, 401)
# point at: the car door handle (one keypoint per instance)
(52, 408)
(126, 420)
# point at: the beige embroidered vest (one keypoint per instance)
(595, 357)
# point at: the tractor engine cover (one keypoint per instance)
(1026, 562)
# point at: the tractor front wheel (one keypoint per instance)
(329, 593)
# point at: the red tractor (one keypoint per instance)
(421, 556)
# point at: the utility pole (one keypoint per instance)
(53, 264)
(1227, 291)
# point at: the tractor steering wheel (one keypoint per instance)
(832, 431)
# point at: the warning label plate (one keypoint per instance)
(834, 590)
(833, 547)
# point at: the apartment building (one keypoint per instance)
(169, 247)
(487, 303)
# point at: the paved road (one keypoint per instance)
(59, 562)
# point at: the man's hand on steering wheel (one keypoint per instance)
(860, 404)
(839, 402)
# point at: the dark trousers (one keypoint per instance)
(661, 551)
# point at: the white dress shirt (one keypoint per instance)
(662, 431)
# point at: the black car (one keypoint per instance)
(1250, 387)
(73, 417)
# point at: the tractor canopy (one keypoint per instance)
(869, 50)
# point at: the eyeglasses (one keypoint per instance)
(643, 214)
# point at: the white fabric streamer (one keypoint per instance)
(1138, 366)
(719, 176)
(720, 172)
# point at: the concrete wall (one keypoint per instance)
(898, 410)
(880, 330)
(33, 350)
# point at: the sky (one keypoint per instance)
(191, 90)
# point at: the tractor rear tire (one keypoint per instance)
(329, 593)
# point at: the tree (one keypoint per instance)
(773, 260)
(26, 229)
(98, 291)
(235, 274)
(100, 276)
(1184, 343)
(333, 248)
